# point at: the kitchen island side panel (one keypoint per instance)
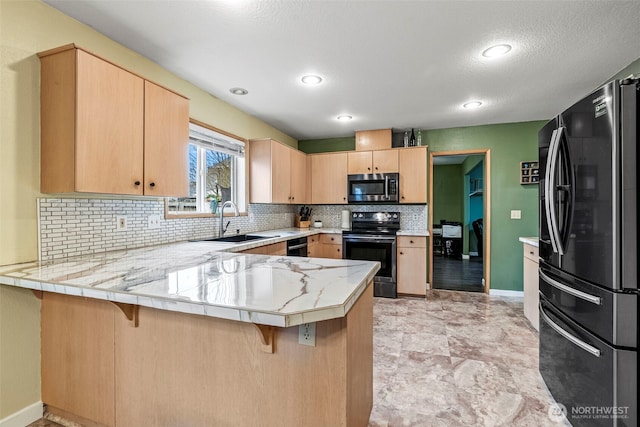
(182, 369)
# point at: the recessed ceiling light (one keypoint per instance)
(311, 79)
(471, 105)
(238, 91)
(344, 117)
(497, 50)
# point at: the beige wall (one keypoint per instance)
(28, 27)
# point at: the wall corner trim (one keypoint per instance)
(500, 293)
(23, 417)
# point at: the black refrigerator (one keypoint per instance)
(589, 257)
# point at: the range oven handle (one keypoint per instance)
(374, 239)
(564, 288)
(583, 345)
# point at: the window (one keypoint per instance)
(216, 173)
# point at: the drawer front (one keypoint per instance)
(313, 239)
(531, 252)
(332, 239)
(412, 242)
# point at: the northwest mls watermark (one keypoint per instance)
(558, 412)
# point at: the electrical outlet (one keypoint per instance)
(153, 221)
(307, 334)
(517, 214)
(121, 223)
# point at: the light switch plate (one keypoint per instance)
(516, 214)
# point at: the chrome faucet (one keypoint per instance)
(224, 205)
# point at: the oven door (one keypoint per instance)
(375, 248)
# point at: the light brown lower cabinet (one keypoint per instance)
(530, 284)
(412, 265)
(313, 246)
(331, 245)
(98, 368)
(279, 249)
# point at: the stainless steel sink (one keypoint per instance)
(238, 238)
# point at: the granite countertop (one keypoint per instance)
(209, 279)
(533, 241)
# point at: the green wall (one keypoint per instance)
(448, 193)
(509, 144)
(329, 144)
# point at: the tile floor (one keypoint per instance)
(453, 359)
(456, 359)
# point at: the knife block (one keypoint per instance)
(302, 224)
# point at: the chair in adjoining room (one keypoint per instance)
(477, 229)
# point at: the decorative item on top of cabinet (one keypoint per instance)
(278, 173)
(412, 163)
(139, 145)
(529, 172)
(329, 178)
(412, 265)
(369, 140)
(379, 161)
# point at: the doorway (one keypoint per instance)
(459, 220)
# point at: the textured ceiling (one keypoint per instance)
(389, 64)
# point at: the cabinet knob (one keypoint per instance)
(338, 250)
(402, 197)
(410, 241)
(293, 198)
(376, 168)
(137, 183)
(344, 198)
(332, 239)
(368, 169)
(153, 184)
(401, 253)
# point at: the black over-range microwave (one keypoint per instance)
(373, 187)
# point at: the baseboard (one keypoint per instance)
(505, 293)
(23, 417)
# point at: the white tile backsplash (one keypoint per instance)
(70, 227)
(412, 217)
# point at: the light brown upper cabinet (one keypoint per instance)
(329, 178)
(380, 161)
(413, 174)
(106, 130)
(278, 173)
(369, 140)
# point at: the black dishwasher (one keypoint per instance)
(297, 247)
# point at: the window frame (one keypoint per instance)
(236, 193)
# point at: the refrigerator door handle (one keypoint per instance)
(555, 150)
(549, 198)
(564, 288)
(583, 345)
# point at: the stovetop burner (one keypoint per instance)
(374, 223)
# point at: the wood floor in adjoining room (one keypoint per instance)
(458, 274)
